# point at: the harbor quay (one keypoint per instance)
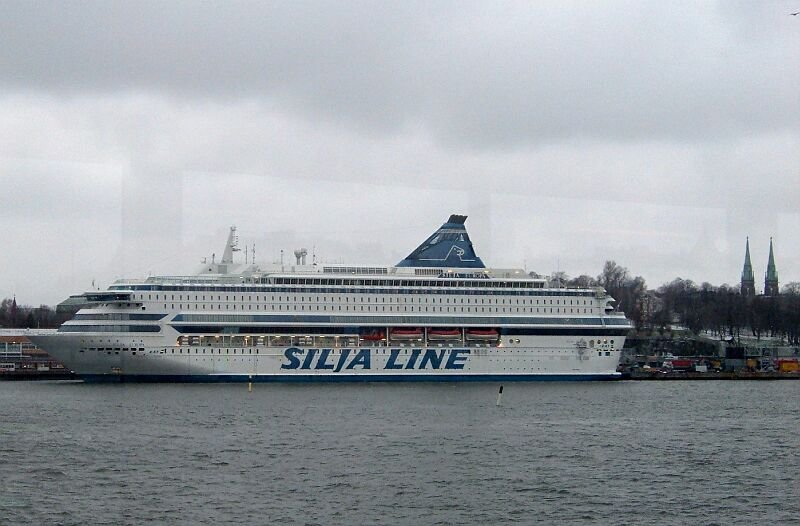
(704, 358)
(20, 359)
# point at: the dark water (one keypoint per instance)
(607, 453)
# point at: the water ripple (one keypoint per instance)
(620, 453)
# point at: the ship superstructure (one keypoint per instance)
(439, 314)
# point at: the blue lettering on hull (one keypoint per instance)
(321, 359)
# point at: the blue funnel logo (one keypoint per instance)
(447, 247)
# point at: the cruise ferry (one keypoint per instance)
(438, 315)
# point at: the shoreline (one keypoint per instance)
(691, 375)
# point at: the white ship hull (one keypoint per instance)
(552, 358)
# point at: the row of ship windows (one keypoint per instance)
(316, 299)
(109, 328)
(115, 350)
(383, 308)
(408, 287)
(446, 282)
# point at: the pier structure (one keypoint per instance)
(21, 359)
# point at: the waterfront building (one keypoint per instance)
(19, 355)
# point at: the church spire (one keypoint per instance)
(771, 278)
(748, 286)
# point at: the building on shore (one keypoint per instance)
(19, 354)
(771, 277)
(748, 283)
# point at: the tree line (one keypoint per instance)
(13, 316)
(720, 310)
(723, 311)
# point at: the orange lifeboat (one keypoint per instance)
(444, 334)
(373, 336)
(482, 334)
(410, 333)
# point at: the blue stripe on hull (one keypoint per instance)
(319, 378)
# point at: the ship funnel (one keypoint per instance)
(301, 254)
(447, 247)
(231, 246)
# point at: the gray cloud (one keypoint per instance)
(474, 74)
(133, 134)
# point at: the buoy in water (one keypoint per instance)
(499, 395)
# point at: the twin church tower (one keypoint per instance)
(748, 286)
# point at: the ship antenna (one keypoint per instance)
(558, 269)
(254, 253)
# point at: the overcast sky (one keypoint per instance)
(659, 135)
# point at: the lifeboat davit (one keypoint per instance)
(444, 334)
(482, 334)
(406, 334)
